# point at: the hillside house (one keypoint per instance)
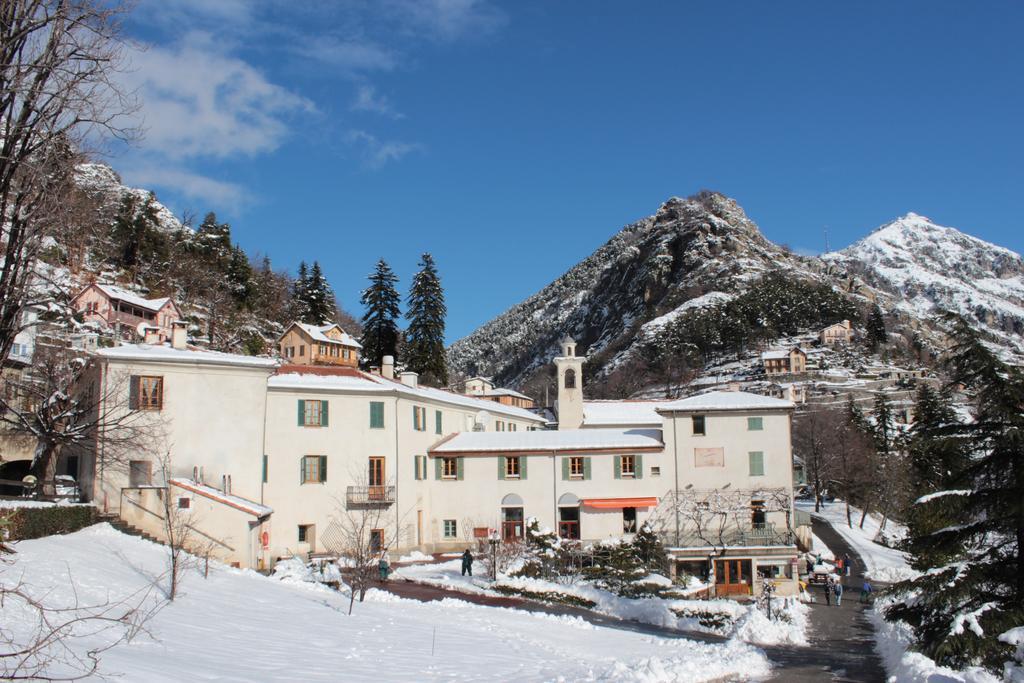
(483, 387)
(839, 333)
(123, 311)
(782, 362)
(329, 344)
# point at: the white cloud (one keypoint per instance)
(368, 99)
(189, 184)
(350, 56)
(375, 152)
(447, 20)
(201, 102)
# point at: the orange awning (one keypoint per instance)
(616, 503)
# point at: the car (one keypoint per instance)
(66, 486)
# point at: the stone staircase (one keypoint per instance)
(126, 528)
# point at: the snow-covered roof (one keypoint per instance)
(776, 354)
(726, 400)
(317, 332)
(572, 440)
(164, 353)
(607, 413)
(356, 381)
(237, 502)
(508, 392)
(133, 298)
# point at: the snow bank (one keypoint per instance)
(240, 626)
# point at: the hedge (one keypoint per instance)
(546, 596)
(36, 522)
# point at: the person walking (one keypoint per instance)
(467, 563)
(846, 564)
(383, 568)
(828, 591)
(839, 593)
(865, 592)
(839, 566)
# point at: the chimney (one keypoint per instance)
(151, 335)
(387, 368)
(179, 335)
(410, 378)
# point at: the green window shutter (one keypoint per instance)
(302, 470)
(565, 469)
(501, 467)
(522, 467)
(586, 468)
(323, 468)
(618, 467)
(423, 467)
(376, 415)
(302, 413)
(756, 463)
(638, 466)
(133, 393)
(323, 413)
(755, 424)
(437, 422)
(437, 468)
(459, 471)
(264, 479)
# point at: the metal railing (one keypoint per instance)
(369, 495)
(754, 535)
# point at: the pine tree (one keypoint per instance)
(319, 306)
(424, 350)
(959, 609)
(877, 336)
(938, 455)
(299, 299)
(380, 320)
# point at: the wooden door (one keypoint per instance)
(376, 479)
(732, 577)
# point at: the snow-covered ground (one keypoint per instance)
(240, 626)
(746, 621)
(883, 563)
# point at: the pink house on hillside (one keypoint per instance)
(123, 310)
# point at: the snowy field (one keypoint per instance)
(240, 626)
(883, 564)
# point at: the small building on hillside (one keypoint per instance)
(782, 362)
(839, 333)
(483, 387)
(329, 344)
(123, 311)
(478, 386)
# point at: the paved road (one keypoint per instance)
(842, 647)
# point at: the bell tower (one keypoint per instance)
(570, 386)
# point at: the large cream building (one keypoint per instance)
(271, 460)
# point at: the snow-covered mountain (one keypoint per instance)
(103, 182)
(927, 268)
(703, 251)
(692, 252)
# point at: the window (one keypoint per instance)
(757, 514)
(140, 473)
(312, 413)
(345, 353)
(307, 534)
(655, 471)
(438, 424)
(449, 468)
(314, 469)
(627, 466)
(146, 393)
(511, 468)
(302, 350)
(570, 379)
(376, 473)
(756, 463)
(576, 467)
(451, 528)
(698, 425)
(376, 415)
(499, 426)
(376, 540)
(420, 462)
(755, 424)
(184, 503)
(629, 520)
(419, 419)
(512, 427)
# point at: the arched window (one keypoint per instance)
(570, 379)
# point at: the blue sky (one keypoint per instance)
(512, 139)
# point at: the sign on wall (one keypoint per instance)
(709, 457)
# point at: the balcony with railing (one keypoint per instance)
(730, 537)
(369, 496)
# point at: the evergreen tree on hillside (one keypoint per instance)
(424, 339)
(938, 455)
(960, 608)
(380, 320)
(137, 244)
(877, 336)
(299, 310)
(318, 298)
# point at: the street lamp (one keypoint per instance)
(494, 539)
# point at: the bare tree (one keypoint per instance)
(814, 432)
(58, 64)
(61, 402)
